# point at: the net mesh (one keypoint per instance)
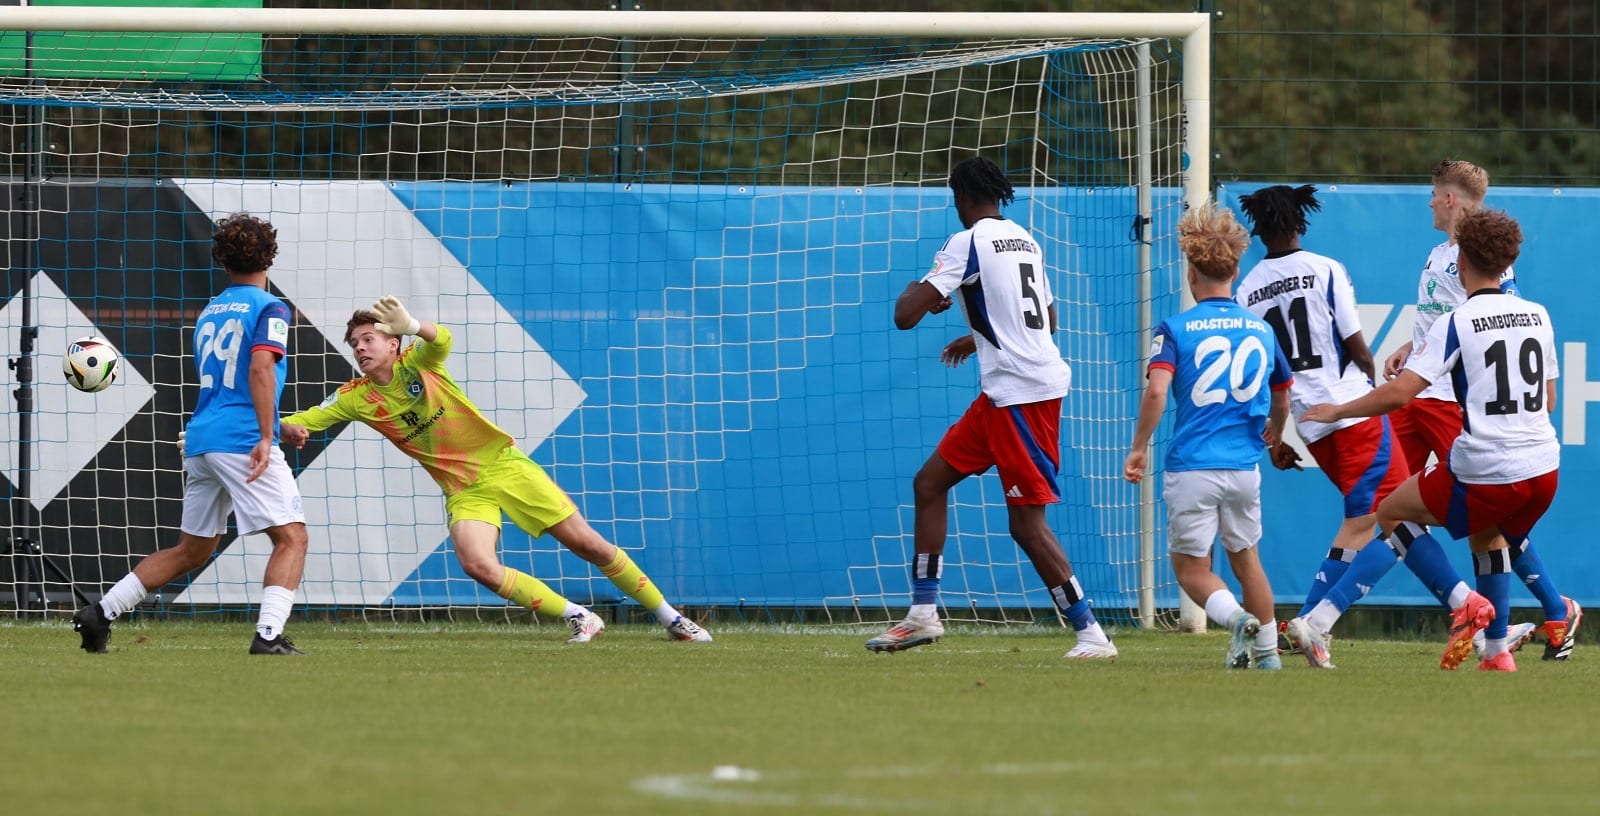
(669, 265)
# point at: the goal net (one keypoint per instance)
(668, 245)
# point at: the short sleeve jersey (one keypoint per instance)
(1439, 292)
(999, 273)
(423, 412)
(1495, 352)
(1308, 301)
(232, 327)
(1225, 362)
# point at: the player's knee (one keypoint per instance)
(482, 569)
(926, 489)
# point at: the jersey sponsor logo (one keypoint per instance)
(278, 330)
(410, 418)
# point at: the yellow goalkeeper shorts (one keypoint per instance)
(514, 485)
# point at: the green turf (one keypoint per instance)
(470, 719)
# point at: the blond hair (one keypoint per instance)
(1212, 240)
(1490, 241)
(1469, 179)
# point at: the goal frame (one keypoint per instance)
(1192, 29)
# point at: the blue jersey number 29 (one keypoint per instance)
(1217, 357)
(224, 344)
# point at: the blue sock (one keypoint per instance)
(1080, 615)
(1530, 568)
(1328, 574)
(1426, 559)
(1069, 599)
(1372, 563)
(925, 571)
(1495, 585)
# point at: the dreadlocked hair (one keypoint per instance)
(979, 179)
(1212, 240)
(1280, 210)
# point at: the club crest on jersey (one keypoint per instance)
(1451, 269)
(414, 388)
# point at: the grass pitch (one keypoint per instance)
(477, 719)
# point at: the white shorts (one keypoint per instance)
(215, 486)
(1203, 503)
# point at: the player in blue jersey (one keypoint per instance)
(1232, 382)
(231, 459)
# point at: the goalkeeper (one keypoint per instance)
(410, 398)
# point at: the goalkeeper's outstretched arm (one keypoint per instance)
(394, 319)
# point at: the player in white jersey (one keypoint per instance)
(1014, 426)
(1430, 423)
(1310, 302)
(1497, 351)
(232, 463)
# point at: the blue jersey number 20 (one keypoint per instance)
(1217, 357)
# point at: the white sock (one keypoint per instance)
(1458, 595)
(572, 610)
(122, 596)
(665, 614)
(1093, 634)
(1221, 606)
(276, 602)
(1493, 646)
(1323, 616)
(1267, 638)
(924, 612)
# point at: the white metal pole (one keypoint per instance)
(1144, 182)
(1196, 190)
(441, 23)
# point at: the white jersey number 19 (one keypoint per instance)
(1530, 364)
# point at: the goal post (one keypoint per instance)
(665, 240)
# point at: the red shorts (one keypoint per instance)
(1364, 461)
(1469, 508)
(1023, 442)
(1426, 426)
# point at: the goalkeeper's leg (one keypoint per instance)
(584, 541)
(475, 541)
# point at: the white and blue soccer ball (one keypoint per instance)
(91, 364)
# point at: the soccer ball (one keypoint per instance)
(91, 364)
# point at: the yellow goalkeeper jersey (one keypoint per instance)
(422, 411)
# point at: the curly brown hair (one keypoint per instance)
(1490, 241)
(244, 244)
(1470, 179)
(361, 317)
(1212, 240)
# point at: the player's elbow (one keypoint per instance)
(906, 319)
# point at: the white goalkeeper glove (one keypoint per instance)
(393, 317)
(180, 443)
